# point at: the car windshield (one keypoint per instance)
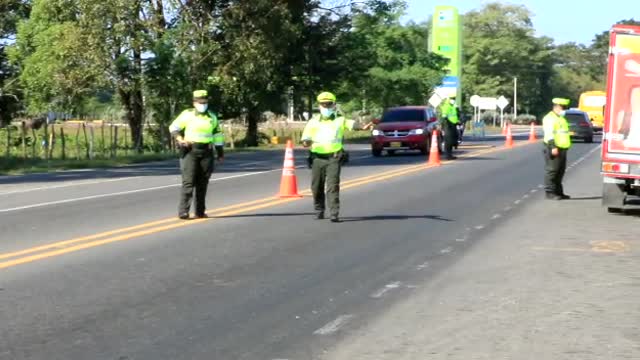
(575, 118)
(403, 115)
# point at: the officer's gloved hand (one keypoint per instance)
(184, 143)
(220, 153)
(306, 143)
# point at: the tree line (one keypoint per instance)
(140, 59)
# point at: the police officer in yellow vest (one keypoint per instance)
(557, 142)
(449, 122)
(324, 135)
(197, 131)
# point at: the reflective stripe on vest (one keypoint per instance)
(218, 139)
(198, 128)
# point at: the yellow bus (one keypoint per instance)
(592, 102)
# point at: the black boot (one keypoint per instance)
(552, 196)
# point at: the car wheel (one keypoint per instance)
(376, 152)
(391, 152)
(588, 139)
(424, 150)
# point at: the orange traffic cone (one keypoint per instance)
(509, 140)
(532, 134)
(434, 152)
(289, 182)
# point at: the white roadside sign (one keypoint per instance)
(487, 103)
(502, 102)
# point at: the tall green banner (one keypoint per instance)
(446, 40)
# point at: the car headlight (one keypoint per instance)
(416, 132)
(377, 132)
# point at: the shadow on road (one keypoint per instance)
(344, 219)
(628, 212)
(394, 217)
(472, 158)
(264, 215)
(586, 198)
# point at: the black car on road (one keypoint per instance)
(580, 126)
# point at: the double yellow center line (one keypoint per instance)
(64, 247)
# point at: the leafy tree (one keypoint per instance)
(581, 68)
(499, 45)
(252, 72)
(167, 85)
(404, 72)
(381, 62)
(599, 51)
(574, 72)
(11, 12)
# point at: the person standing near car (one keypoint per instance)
(460, 126)
(449, 123)
(324, 135)
(197, 132)
(557, 141)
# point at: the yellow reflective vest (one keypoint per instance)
(556, 128)
(449, 111)
(199, 128)
(326, 134)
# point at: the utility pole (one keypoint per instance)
(291, 104)
(515, 98)
(364, 101)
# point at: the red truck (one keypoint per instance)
(621, 141)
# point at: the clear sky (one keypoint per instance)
(563, 20)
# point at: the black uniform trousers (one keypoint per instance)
(196, 165)
(554, 169)
(325, 173)
(450, 138)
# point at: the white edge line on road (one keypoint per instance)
(446, 250)
(380, 292)
(69, 184)
(126, 192)
(334, 325)
(122, 193)
(58, 202)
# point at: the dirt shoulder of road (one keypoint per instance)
(554, 280)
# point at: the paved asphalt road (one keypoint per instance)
(94, 265)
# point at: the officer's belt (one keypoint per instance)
(201, 146)
(327, 155)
